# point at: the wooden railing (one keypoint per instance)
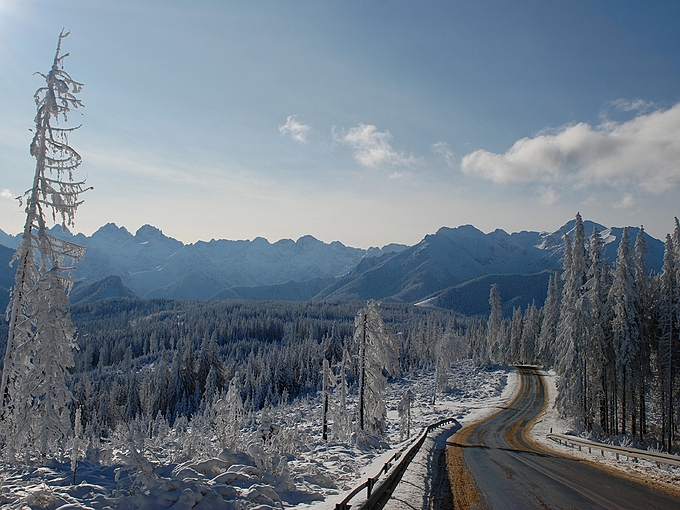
(378, 490)
(631, 453)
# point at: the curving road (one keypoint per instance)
(493, 465)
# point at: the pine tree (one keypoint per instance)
(40, 343)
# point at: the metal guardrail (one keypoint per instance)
(634, 453)
(379, 491)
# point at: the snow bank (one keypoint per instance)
(550, 421)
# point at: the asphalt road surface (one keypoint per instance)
(493, 465)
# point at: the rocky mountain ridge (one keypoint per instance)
(151, 264)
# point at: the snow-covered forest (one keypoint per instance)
(610, 330)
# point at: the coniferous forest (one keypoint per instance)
(150, 358)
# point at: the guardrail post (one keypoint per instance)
(369, 487)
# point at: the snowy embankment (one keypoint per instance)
(666, 475)
(496, 389)
(296, 468)
(474, 393)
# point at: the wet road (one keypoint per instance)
(493, 465)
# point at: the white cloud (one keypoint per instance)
(644, 152)
(5, 193)
(627, 201)
(297, 129)
(401, 175)
(372, 147)
(548, 196)
(636, 105)
(443, 149)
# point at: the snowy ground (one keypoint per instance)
(666, 475)
(301, 471)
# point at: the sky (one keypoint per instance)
(367, 122)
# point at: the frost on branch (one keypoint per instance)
(34, 398)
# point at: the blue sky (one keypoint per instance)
(367, 122)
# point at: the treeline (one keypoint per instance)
(150, 358)
(611, 331)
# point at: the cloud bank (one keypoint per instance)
(297, 129)
(372, 147)
(644, 152)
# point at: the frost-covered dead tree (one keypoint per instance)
(404, 410)
(442, 367)
(378, 354)
(34, 396)
(326, 382)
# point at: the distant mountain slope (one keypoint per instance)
(472, 297)
(445, 259)
(290, 291)
(151, 264)
(108, 287)
(456, 255)
(6, 276)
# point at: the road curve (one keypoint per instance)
(493, 465)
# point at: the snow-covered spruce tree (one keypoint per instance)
(550, 317)
(667, 357)
(530, 330)
(35, 398)
(516, 324)
(494, 329)
(571, 329)
(643, 283)
(623, 297)
(596, 341)
(377, 356)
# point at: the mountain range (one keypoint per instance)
(452, 268)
